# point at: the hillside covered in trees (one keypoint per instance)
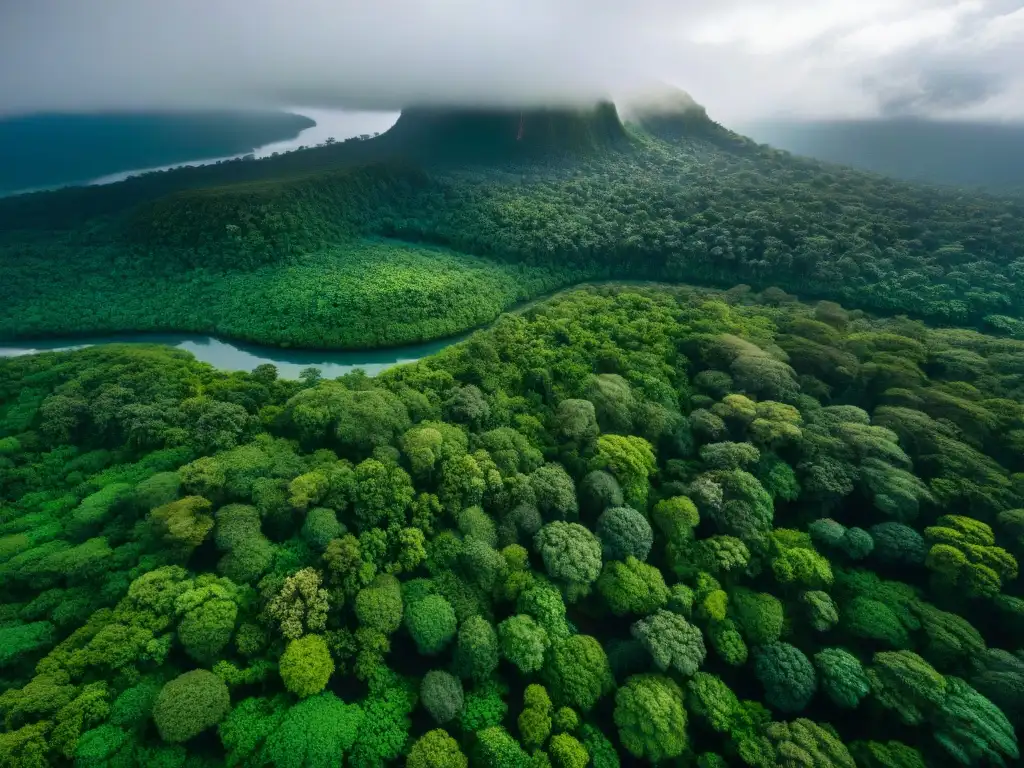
(518, 203)
(627, 526)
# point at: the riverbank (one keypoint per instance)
(237, 356)
(234, 355)
(369, 294)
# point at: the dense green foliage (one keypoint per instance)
(446, 565)
(189, 704)
(288, 251)
(363, 294)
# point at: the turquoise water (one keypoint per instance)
(238, 356)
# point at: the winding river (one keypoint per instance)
(239, 356)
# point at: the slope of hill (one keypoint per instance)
(50, 150)
(671, 114)
(670, 196)
(423, 136)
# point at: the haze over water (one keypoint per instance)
(337, 124)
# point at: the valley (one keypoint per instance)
(983, 156)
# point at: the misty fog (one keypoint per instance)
(741, 58)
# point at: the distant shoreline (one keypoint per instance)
(47, 152)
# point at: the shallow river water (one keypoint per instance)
(242, 356)
(239, 356)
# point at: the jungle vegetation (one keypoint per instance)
(545, 198)
(626, 526)
(366, 293)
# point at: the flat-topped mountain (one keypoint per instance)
(490, 133)
(422, 135)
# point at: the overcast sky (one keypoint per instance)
(742, 59)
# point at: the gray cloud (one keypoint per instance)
(936, 91)
(741, 58)
(382, 54)
(968, 68)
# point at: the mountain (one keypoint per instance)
(504, 134)
(335, 246)
(421, 135)
(672, 114)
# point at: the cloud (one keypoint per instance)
(965, 66)
(743, 59)
(935, 58)
(380, 54)
(941, 90)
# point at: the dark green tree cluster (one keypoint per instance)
(629, 526)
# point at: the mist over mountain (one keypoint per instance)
(483, 133)
(989, 155)
(745, 59)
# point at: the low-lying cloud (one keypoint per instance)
(743, 59)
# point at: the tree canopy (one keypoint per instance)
(779, 534)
